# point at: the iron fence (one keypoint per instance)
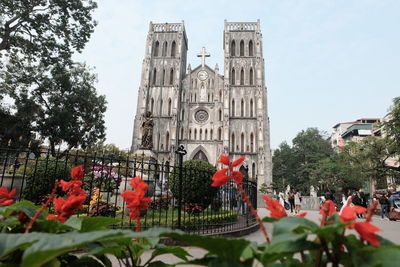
(107, 176)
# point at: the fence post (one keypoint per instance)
(181, 152)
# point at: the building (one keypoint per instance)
(208, 112)
(354, 131)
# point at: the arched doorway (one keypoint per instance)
(245, 171)
(200, 155)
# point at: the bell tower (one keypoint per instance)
(245, 99)
(163, 67)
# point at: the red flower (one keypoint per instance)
(66, 185)
(138, 184)
(220, 177)
(276, 209)
(7, 196)
(367, 232)
(136, 199)
(349, 213)
(303, 214)
(332, 208)
(77, 173)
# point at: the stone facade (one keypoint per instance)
(207, 112)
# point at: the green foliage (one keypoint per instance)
(296, 241)
(263, 188)
(337, 173)
(196, 183)
(40, 177)
(293, 165)
(391, 126)
(51, 95)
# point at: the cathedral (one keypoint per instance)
(207, 110)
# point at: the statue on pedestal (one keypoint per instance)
(147, 130)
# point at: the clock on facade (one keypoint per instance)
(202, 75)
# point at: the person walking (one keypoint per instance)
(291, 201)
(297, 202)
(384, 201)
(356, 200)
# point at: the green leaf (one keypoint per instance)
(174, 250)
(74, 222)
(377, 256)
(26, 207)
(270, 219)
(96, 223)
(51, 226)
(157, 264)
(289, 224)
(230, 249)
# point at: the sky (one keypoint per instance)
(326, 61)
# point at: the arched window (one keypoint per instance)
(212, 97)
(208, 98)
(195, 98)
(251, 76)
(190, 134)
(161, 107)
(195, 134)
(242, 142)
(251, 108)
(233, 108)
(242, 77)
(164, 49)
(171, 77)
(205, 134)
(251, 48)
(169, 107)
(253, 171)
(220, 95)
(241, 48)
(181, 132)
(152, 106)
(219, 134)
(211, 134)
(233, 76)
(251, 143)
(173, 49)
(154, 76)
(242, 108)
(183, 114)
(163, 77)
(167, 141)
(233, 48)
(201, 134)
(220, 115)
(183, 96)
(156, 48)
(233, 142)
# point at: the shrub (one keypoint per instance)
(40, 178)
(196, 184)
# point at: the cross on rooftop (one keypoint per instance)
(203, 54)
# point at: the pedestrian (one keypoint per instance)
(281, 199)
(291, 201)
(384, 201)
(344, 203)
(297, 202)
(356, 200)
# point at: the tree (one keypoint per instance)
(196, 185)
(284, 166)
(337, 173)
(391, 127)
(370, 155)
(37, 41)
(45, 30)
(309, 147)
